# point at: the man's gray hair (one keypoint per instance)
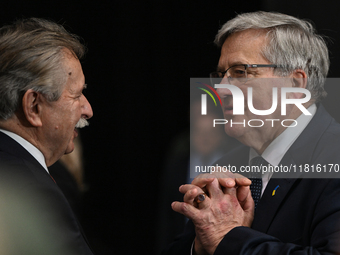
(31, 57)
(292, 43)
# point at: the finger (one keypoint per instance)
(230, 191)
(185, 188)
(216, 191)
(248, 207)
(242, 181)
(202, 180)
(248, 204)
(196, 198)
(185, 209)
(227, 182)
(202, 201)
(190, 196)
(231, 180)
(243, 193)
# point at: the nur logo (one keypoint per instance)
(239, 101)
(204, 98)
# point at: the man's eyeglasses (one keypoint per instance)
(236, 74)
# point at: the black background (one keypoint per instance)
(140, 59)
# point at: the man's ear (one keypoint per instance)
(31, 105)
(299, 78)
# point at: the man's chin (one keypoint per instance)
(235, 131)
(69, 148)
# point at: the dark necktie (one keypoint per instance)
(256, 179)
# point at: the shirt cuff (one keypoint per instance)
(192, 247)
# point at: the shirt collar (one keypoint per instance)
(274, 153)
(29, 147)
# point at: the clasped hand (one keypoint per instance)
(228, 204)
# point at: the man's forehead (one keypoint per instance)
(249, 38)
(243, 47)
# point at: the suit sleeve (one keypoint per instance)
(323, 238)
(182, 244)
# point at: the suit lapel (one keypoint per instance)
(270, 204)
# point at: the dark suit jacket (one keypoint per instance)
(37, 216)
(303, 217)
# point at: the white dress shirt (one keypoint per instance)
(29, 147)
(274, 153)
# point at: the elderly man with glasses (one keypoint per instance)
(291, 215)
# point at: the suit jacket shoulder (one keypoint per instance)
(37, 218)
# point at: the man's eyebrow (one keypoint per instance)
(236, 63)
(220, 69)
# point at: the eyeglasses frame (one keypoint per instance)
(245, 68)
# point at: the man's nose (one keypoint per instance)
(224, 92)
(86, 109)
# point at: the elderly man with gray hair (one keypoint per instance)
(280, 213)
(41, 105)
